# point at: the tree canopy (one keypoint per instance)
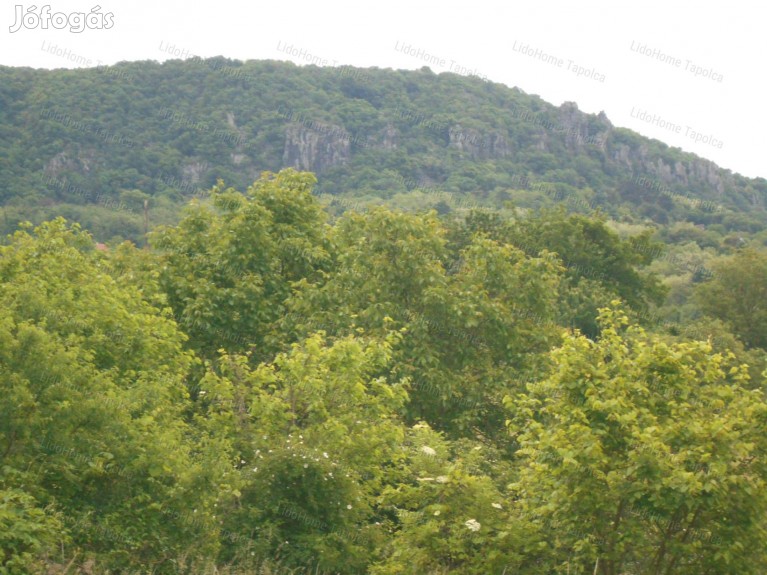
(264, 388)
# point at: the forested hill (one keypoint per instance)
(94, 144)
(263, 387)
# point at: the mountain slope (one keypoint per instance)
(93, 144)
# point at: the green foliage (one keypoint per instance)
(27, 532)
(453, 518)
(599, 265)
(319, 437)
(91, 414)
(256, 390)
(643, 456)
(589, 249)
(737, 294)
(468, 327)
(92, 144)
(227, 267)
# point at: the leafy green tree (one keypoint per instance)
(599, 265)
(27, 533)
(469, 328)
(737, 295)
(492, 323)
(227, 268)
(318, 434)
(451, 515)
(642, 456)
(92, 409)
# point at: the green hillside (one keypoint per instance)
(93, 144)
(369, 322)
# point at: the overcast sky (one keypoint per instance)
(688, 73)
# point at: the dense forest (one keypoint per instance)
(256, 318)
(94, 144)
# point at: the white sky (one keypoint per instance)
(725, 38)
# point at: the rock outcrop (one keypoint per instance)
(477, 145)
(316, 148)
